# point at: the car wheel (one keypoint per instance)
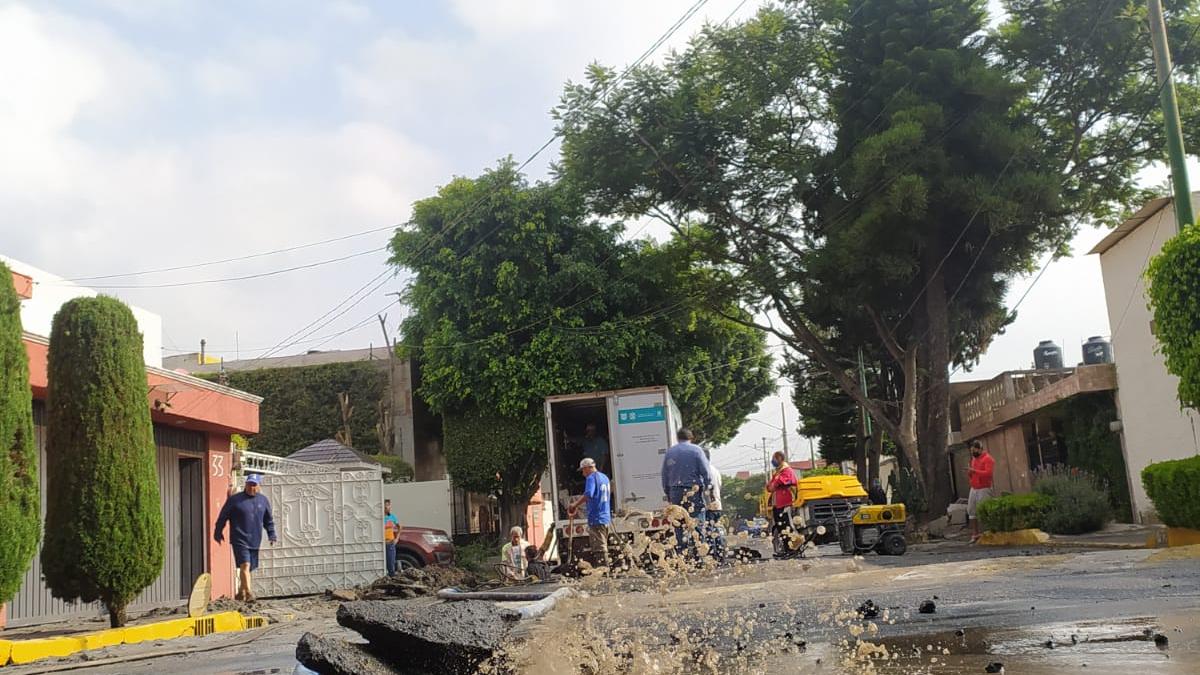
(407, 560)
(893, 544)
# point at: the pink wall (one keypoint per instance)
(220, 556)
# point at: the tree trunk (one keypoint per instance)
(934, 404)
(116, 616)
(860, 448)
(512, 513)
(873, 456)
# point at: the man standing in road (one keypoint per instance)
(248, 514)
(597, 494)
(391, 532)
(980, 476)
(685, 480)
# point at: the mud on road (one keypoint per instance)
(802, 616)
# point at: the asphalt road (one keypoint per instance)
(799, 616)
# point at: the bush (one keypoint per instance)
(477, 555)
(831, 470)
(1081, 501)
(19, 501)
(1174, 285)
(402, 471)
(1014, 512)
(1174, 487)
(104, 520)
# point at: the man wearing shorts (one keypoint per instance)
(980, 475)
(248, 514)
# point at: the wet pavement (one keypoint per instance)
(780, 617)
(798, 616)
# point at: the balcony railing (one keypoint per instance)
(1005, 389)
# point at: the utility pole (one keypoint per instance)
(812, 453)
(766, 462)
(1175, 151)
(783, 425)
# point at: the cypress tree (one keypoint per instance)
(104, 525)
(19, 500)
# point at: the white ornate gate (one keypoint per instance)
(329, 522)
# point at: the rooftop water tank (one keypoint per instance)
(1097, 350)
(1047, 356)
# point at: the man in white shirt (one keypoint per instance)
(713, 511)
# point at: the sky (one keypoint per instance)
(148, 134)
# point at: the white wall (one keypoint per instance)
(51, 291)
(1154, 427)
(424, 504)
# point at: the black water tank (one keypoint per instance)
(1047, 355)
(1097, 350)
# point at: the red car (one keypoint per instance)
(421, 546)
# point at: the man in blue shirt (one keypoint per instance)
(597, 494)
(248, 514)
(685, 480)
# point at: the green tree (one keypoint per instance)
(104, 522)
(19, 495)
(517, 296)
(895, 162)
(739, 496)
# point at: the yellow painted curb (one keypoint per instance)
(1015, 538)
(20, 652)
(1173, 536)
(28, 651)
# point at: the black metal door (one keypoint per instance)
(191, 522)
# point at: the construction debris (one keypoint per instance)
(337, 657)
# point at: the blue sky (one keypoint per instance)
(151, 133)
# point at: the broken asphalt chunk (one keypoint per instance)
(994, 667)
(337, 657)
(927, 607)
(452, 637)
(868, 610)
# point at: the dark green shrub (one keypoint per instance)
(1014, 512)
(402, 471)
(300, 405)
(1174, 285)
(1081, 503)
(104, 522)
(1174, 487)
(1096, 448)
(19, 499)
(831, 470)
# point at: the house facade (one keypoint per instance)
(193, 424)
(1153, 425)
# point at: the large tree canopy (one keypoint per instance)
(517, 296)
(891, 164)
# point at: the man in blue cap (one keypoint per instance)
(248, 514)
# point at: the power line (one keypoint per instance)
(259, 275)
(284, 344)
(237, 259)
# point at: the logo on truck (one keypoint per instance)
(639, 415)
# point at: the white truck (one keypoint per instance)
(638, 426)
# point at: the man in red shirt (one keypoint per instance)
(980, 475)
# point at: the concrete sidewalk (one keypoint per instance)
(1115, 536)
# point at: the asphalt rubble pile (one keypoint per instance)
(408, 637)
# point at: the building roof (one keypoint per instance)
(330, 451)
(1135, 221)
(191, 362)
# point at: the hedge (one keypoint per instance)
(300, 404)
(19, 500)
(1174, 285)
(1174, 487)
(104, 520)
(1014, 512)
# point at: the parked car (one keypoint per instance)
(421, 546)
